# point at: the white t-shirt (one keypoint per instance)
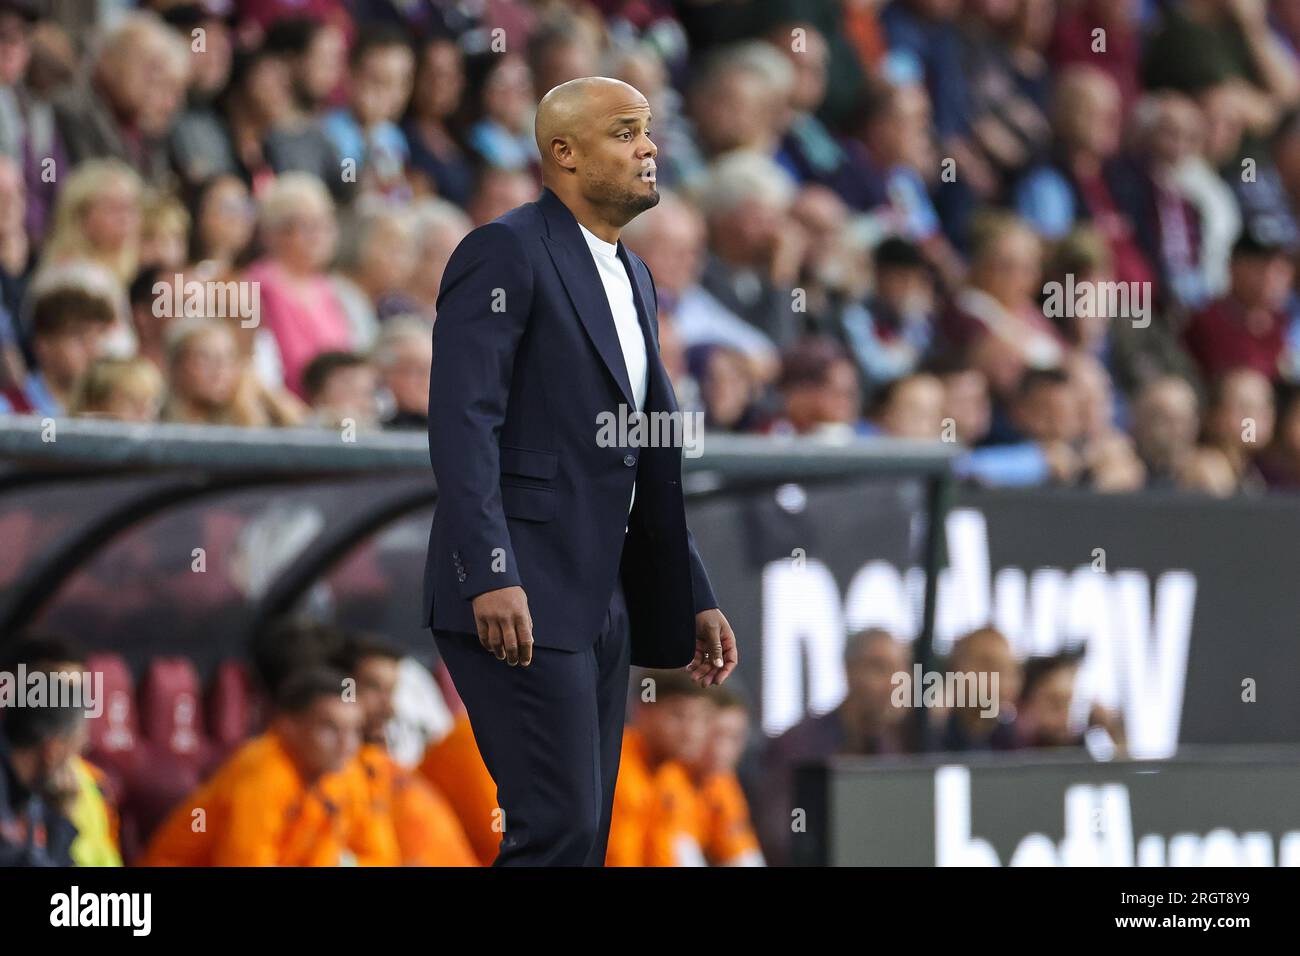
(618, 290)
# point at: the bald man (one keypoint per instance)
(559, 551)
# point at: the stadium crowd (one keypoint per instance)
(1059, 233)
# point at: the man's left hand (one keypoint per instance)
(715, 649)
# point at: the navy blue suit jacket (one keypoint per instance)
(525, 359)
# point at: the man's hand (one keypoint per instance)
(505, 627)
(715, 649)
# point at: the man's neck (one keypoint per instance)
(590, 217)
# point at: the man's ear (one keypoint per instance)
(562, 154)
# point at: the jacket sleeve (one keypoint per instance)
(483, 308)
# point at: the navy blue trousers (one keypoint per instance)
(550, 735)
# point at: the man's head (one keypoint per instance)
(819, 384)
(966, 399)
(342, 385)
(871, 659)
(42, 741)
(987, 651)
(404, 357)
(594, 137)
(68, 327)
(143, 67)
(1261, 269)
(320, 729)
(1241, 413)
(675, 725)
(382, 66)
(1166, 421)
(728, 723)
(671, 240)
(912, 407)
(1047, 406)
(1043, 714)
(373, 663)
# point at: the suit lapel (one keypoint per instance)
(659, 393)
(572, 258)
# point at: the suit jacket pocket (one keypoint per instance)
(528, 462)
(527, 502)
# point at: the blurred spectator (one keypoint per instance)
(891, 331)
(199, 143)
(503, 136)
(376, 260)
(866, 722)
(1280, 462)
(223, 221)
(403, 356)
(755, 252)
(671, 239)
(656, 816)
(381, 73)
(436, 156)
(1247, 326)
(1043, 711)
(439, 226)
(299, 303)
(341, 389)
(316, 52)
(497, 192)
(68, 326)
(911, 407)
(38, 787)
(134, 92)
(820, 391)
(1166, 423)
(126, 390)
(98, 218)
(1047, 411)
(164, 232)
(985, 653)
(725, 387)
(727, 833)
(1239, 422)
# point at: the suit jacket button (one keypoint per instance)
(455, 555)
(629, 460)
(461, 577)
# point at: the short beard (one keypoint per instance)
(625, 203)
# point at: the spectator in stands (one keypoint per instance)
(403, 357)
(497, 191)
(820, 392)
(439, 226)
(134, 92)
(212, 383)
(890, 332)
(224, 218)
(377, 258)
(126, 390)
(293, 796)
(91, 806)
(316, 52)
(656, 816)
(1110, 461)
(833, 268)
(502, 134)
(97, 218)
(68, 327)
(1043, 711)
(733, 102)
(1166, 423)
(986, 653)
(298, 301)
(200, 142)
(865, 722)
(1239, 423)
(164, 232)
(672, 241)
(1047, 412)
(439, 163)
(996, 320)
(29, 137)
(724, 387)
(754, 253)
(381, 68)
(1280, 462)
(341, 389)
(425, 827)
(727, 835)
(1247, 327)
(38, 788)
(911, 407)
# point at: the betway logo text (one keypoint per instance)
(1137, 631)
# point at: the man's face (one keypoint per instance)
(728, 732)
(1047, 711)
(65, 356)
(989, 653)
(1051, 413)
(870, 674)
(840, 398)
(966, 402)
(916, 410)
(615, 155)
(382, 84)
(350, 392)
(376, 685)
(326, 735)
(1262, 281)
(676, 728)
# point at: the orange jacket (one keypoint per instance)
(257, 811)
(727, 835)
(456, 770)
(427, 831)
(656, 812)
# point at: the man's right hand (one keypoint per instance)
(505, 628)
